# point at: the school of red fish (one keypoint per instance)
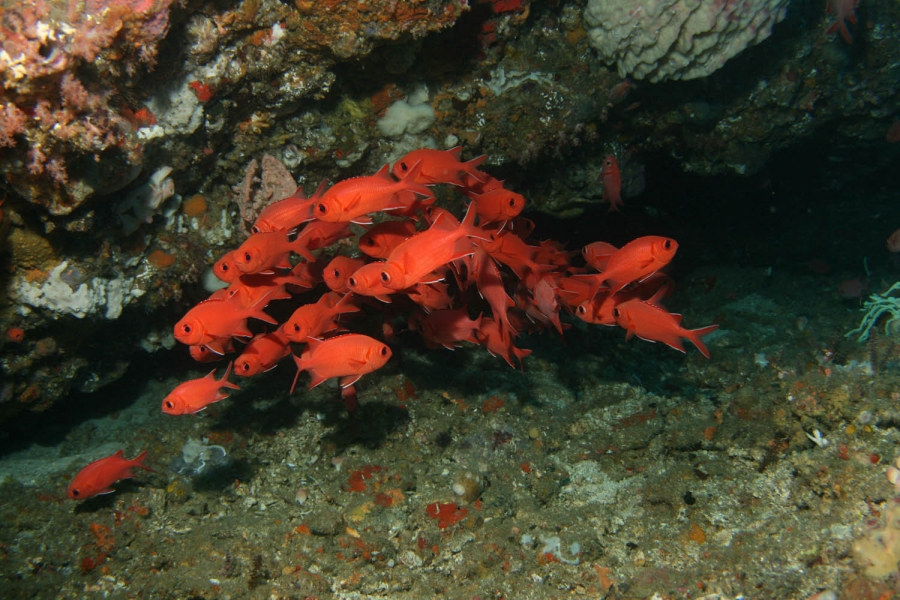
(401, 261)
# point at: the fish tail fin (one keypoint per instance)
(138, 461)
(299, 246)
(468, 224)
(696, 335)
(470, 167)
(224, 381)
(300, 368)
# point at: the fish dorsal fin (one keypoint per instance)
(385, 173)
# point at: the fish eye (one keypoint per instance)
(322, 208)
(581, 310)
(384, 350)
(296, 328)
(335, 273)
(512, 202)
(170, 404)
(254, 229)
(248, 257)
(668, 244)
(351, 281)
(616, 313)
(385, 277)
(404, 167)
(224, 267)
(608, 162)
(186, 328)
(76, 493)
(244, 366)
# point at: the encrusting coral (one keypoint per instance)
(673, 39)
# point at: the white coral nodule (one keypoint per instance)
(141, 204)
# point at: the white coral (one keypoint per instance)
(677, 39)
(142, 203)
(88, 298)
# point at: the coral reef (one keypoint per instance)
(672, 39)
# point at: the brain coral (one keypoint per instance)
(677, 39)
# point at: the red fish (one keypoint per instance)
(312, 320)
(196, 394)
(97, 477)
(262, 353)
(321, 234)
(612, 183)
(634, 261)
(218, 318)
(431, 296)
(425, 252)
(353, 199)
(213, 351)
(597, 254)
(497, 205)
(653, 324)
(287, 214)
(381, 239)
(225, 269)
(490, 286)
(511, 250)
(499, 343)
(263, 252)
(448, 327)
(546, 300)
(843, 11)
(440, 166)
(347, 356)
(366, 281)
(339, 270)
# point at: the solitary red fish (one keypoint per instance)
(96, 478)
(195, 395)
(612, 183)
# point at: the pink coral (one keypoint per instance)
(12, 123)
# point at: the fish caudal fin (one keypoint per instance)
(696, 335)
(138, 461)
(224, 381)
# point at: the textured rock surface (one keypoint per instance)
(672, 39)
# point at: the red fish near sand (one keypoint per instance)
(193, 396)
(612, 183)
(97, 477)
(654, 324)
(347, 356)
